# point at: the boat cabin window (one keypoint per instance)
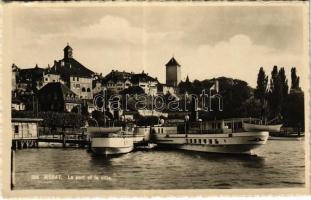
(210, 141)
(190, 140)
(195, 141)
(216, 141)
(199, 141)
(204, 140)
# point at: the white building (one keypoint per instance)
(82, 86)
(25, 128)
(75, 76)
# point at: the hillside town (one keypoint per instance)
(68, 84)
(172, 98)
(68, 96)
(70, 87)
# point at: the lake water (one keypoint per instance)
(277, 164)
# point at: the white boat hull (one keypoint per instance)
(111, 150)
(286, 138)
(235, 143)
(110, 146)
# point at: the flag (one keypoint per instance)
(215, 86)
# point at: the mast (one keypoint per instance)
(104, 106)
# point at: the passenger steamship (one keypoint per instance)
(116, 140)
(223, 136)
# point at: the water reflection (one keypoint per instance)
(219, 157)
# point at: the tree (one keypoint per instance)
(283, 90)
(133, 90)
(101, 118)
(185, 86)
(274, 94)
(252, 107)
(146, 121)
(295, 80)
(260, 92)
(234, 93)
(294, 108)
(53, 119)
(294, 112)
(283, 83)
(262, 83)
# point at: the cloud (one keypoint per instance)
(204, 47)
(112, 28)
(237, 57)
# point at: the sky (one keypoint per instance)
(207, 41)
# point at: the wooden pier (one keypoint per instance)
(67, 140)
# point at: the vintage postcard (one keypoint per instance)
(155, 99)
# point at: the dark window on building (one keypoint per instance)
(204, 140)
(73, 78)
(200, 141)
(83, 89)
(195, 141)
(16, 129)
(210, 141)
(190, 140)
(77, 78)
(216, 141)
(88, 90)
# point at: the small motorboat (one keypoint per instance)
(261, 127)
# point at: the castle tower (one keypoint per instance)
(67, 52)
(173, 72)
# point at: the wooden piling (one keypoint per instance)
(12, 169)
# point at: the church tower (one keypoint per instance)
(67, 52)
(173, 72)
